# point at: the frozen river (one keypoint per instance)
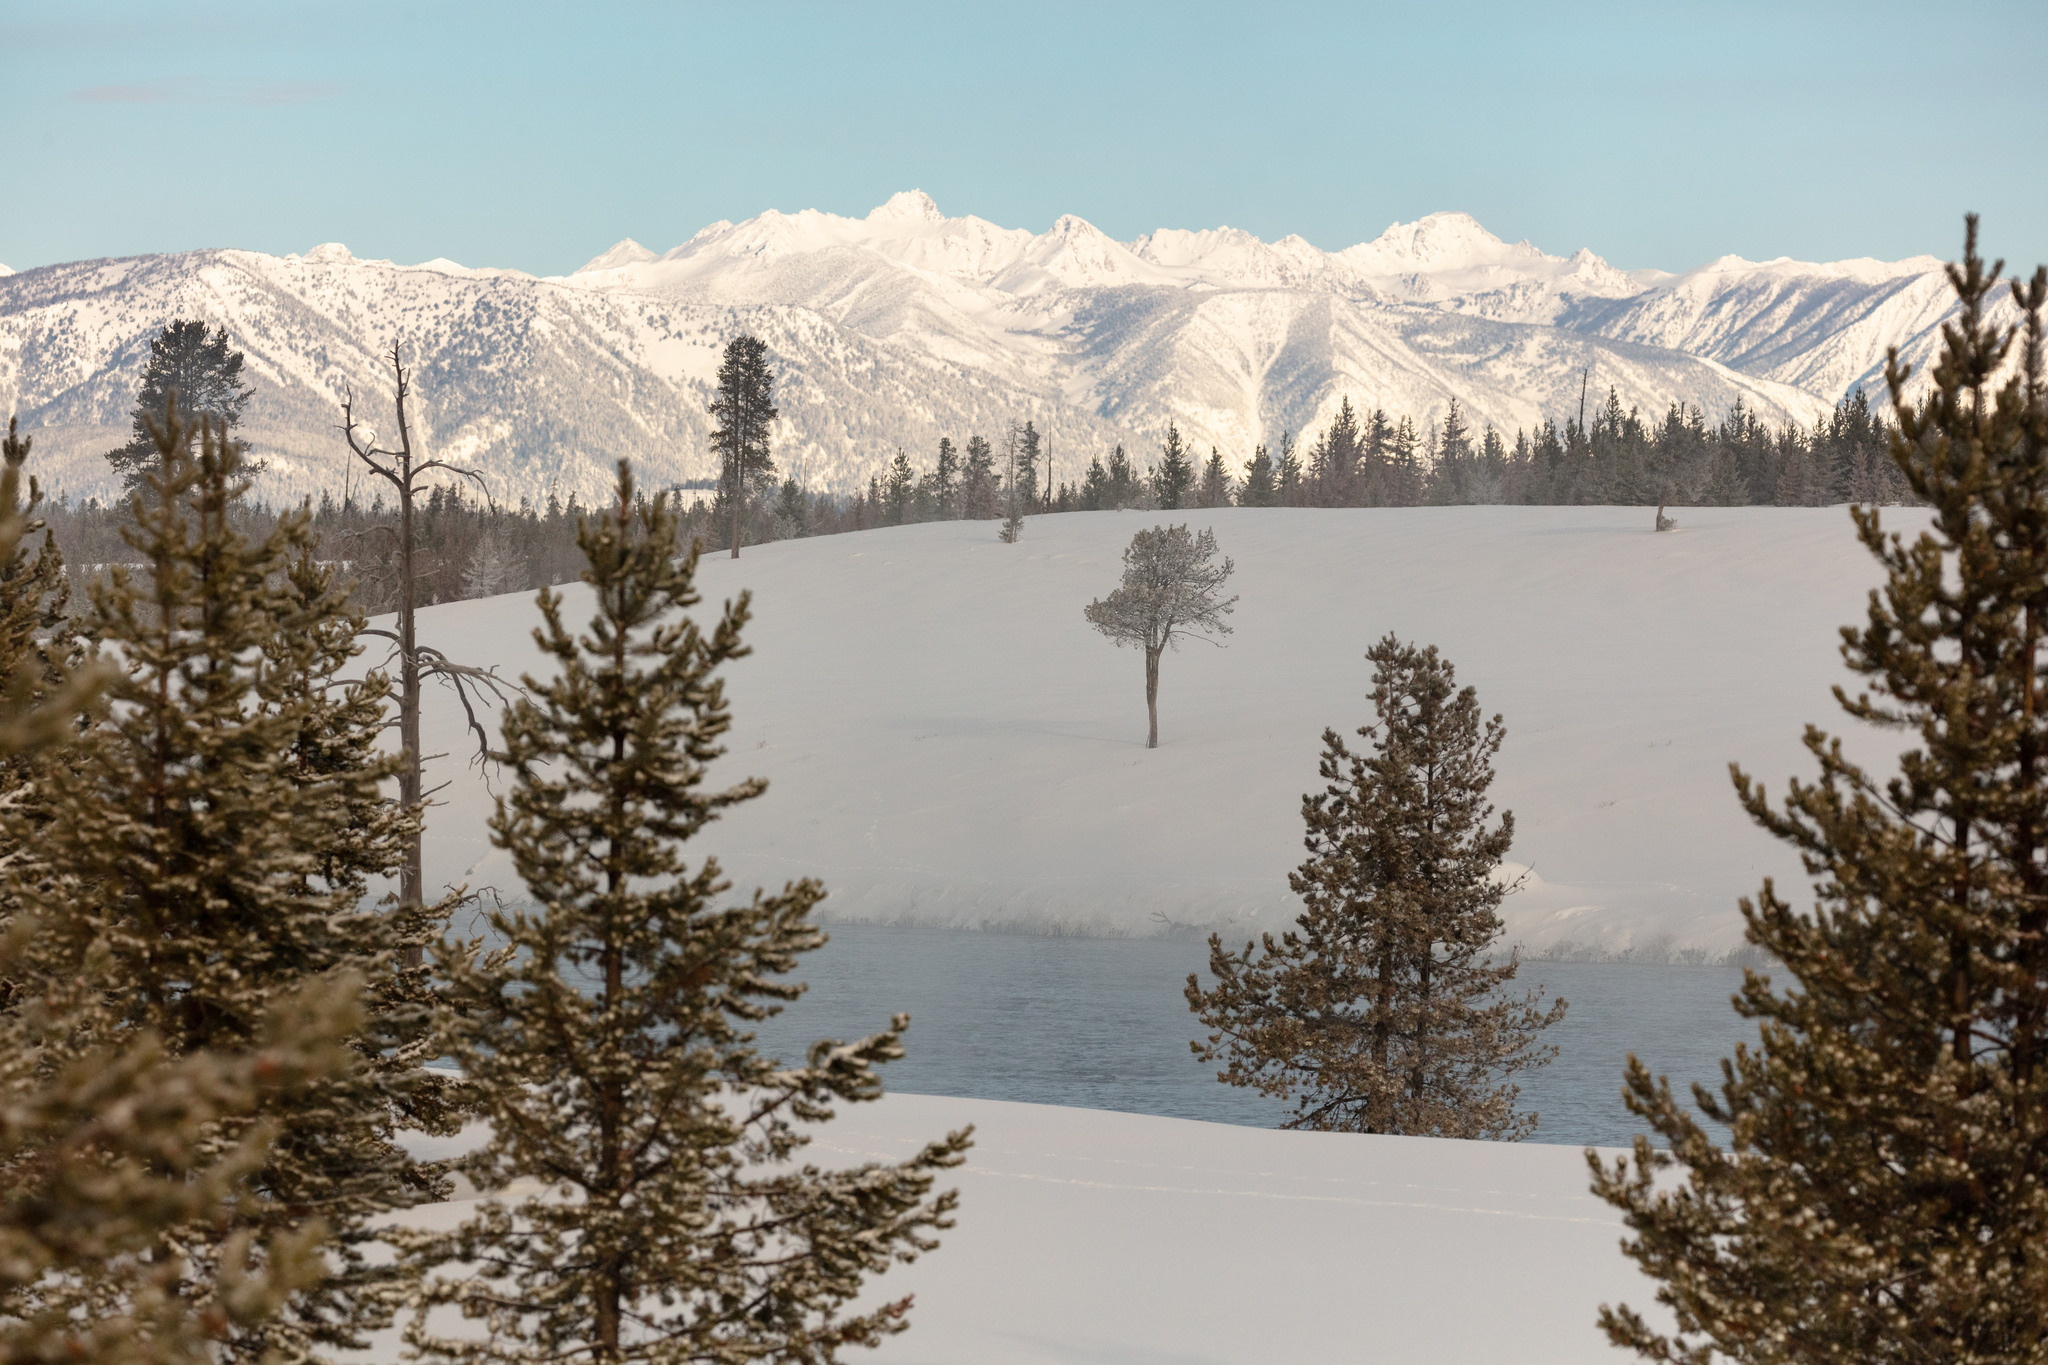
(1101, 1024)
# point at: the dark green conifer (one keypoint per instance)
(208, 844)
(1214, 490)
(1383, 1013)
(898, 488)
(39, 647)
(744, 408)
(1260, 487)
(1884, 1195)
(1175, 474)
(610, 1048)
(197, 367)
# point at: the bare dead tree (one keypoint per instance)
(403, 469)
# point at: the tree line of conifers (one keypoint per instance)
(212, 1035)
(469, 545)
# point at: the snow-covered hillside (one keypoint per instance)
(904, 325)
(947, 742)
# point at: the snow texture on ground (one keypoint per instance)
(1092, 1238)
(947, 742)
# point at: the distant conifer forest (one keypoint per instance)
(472, 546)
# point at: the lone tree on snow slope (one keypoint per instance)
(744, 408)
(1169, 593)
(1381, 1014)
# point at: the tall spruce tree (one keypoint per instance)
(1382, 1012)
(945, 481)
(610, 1048)
(1214, 489)
(204, 855)
(744, 408)
(1175, 475)
(978, 481)
(1260, 488)
(195, 365)
(1884, 1196)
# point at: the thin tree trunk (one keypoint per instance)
(1152, 697)
(736, 463)
(412, 878)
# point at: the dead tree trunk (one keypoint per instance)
(403, 470)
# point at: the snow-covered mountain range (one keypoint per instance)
(905, 325)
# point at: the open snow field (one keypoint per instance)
(948, 743)
(1090, 1238)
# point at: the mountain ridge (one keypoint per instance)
(904, 325)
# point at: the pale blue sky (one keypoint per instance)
(533, 136)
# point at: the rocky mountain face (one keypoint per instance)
(906, 325)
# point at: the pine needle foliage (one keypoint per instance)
(206, 854)
(108, 1153)
(744, 408)
(1380, 1013)
(42, 661)
(194, 366)
(608, 1041)
(1884, 1195)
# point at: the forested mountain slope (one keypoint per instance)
(905, 325)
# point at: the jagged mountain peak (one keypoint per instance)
(625, 252)
(911, 205)
(1438, 241)
(328, 253)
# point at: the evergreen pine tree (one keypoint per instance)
(1450, 472)
(1123, 480)
(1095, 494)
(978, 482)
(1333, 464)
(195, 365)
(1029, 452)
(39, 647)
(1287, 473)
(1382, 1014)
(744, 408)
(1214, 490)
(1176, 472)
(610, 1049)
(1884, 1196)
(208, 844)
(108, 1152)
(1260, 488)
(945, 481)
(901, 483)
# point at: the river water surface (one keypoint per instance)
(1101, 1024)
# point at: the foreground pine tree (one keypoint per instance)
(108, 1148)
(109, 1153)
(1382, 1014)
(1885, 1193)
(608, 1044)
(204, 854)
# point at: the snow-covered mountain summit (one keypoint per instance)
(905, 324)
